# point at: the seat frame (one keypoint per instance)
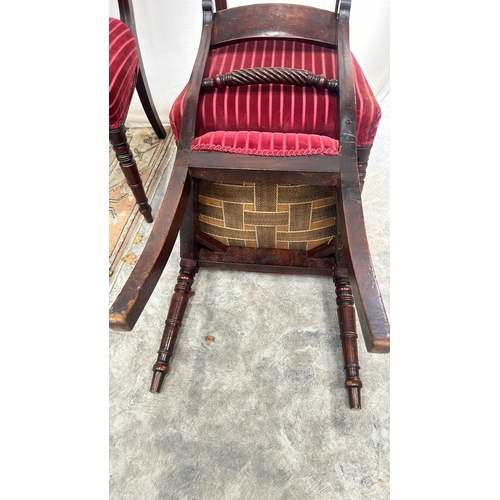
(346, 259)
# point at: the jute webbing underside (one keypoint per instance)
(259, 215)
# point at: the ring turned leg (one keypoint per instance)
(348, 336)
(363, 157)
(118, 140)
(173, 323)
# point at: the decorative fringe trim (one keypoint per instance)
(265, 152)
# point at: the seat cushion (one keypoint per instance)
(123, 69)
(266, 143)
(277, 108)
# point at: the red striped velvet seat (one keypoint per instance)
(276, 120)
(123, 69)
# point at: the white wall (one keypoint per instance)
(169, 34)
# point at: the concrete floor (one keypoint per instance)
(261, 412)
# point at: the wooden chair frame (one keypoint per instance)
(118, 138)
(348, 260)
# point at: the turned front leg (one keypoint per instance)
(348, 336)
(118, 140)
(173, 323)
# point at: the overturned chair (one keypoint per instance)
(274, 131)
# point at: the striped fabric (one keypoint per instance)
(277, 108)
(267, 143)
(123, 68)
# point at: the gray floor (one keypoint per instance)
(261, 412)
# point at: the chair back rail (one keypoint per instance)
(275, 21)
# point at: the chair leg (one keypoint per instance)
(348, 336)
(118, 140)
(173, 323)
(363, 157)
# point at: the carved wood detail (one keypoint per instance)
(121, 147)
(287, 76)
(348, 336)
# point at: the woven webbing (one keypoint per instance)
(256, 215)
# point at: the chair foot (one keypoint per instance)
(348, 336)
(121, 147)
(173, 322)
(146, 213)
(354, 397)
(160, 370)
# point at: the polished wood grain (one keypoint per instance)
(318, 170)
(266, 260)
(369, 305)
(348, 336)
(297, 22)
(173, 322)
(346, 258)
(135, 294)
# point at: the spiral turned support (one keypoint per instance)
(283, 76)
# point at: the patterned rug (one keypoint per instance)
(151, 155)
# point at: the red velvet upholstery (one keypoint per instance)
(267, 143)
(276, 109)
(123, 69)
